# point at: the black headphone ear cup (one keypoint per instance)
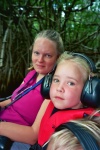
(45, 86)
(46, 83)
(91, 93)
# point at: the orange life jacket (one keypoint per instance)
(51, 121)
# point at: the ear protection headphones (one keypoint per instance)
(46, 83)
(86, 139)
(91, 92)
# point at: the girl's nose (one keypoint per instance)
(60, 88)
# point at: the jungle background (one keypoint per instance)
(78, 22)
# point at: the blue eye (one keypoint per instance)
(55, 80)
(71, 83)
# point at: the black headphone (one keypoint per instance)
(91, 92)
(86, 139)
(46, 83)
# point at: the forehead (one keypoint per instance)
(69, 68)
(68, 63)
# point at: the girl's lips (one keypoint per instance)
(58, 97)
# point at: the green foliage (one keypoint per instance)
(78, 22)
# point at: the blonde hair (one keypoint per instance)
(81, 62)
(66, 140)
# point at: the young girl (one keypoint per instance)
(65, 92)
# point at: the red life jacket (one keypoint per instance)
(50, 122)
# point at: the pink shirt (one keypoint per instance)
(24, 110)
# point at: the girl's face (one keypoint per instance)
(44, 55)
(67, 86)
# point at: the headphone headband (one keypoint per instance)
(88, 60)
(86, 139)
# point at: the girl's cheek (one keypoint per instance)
(51, 90)
(52, 87)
